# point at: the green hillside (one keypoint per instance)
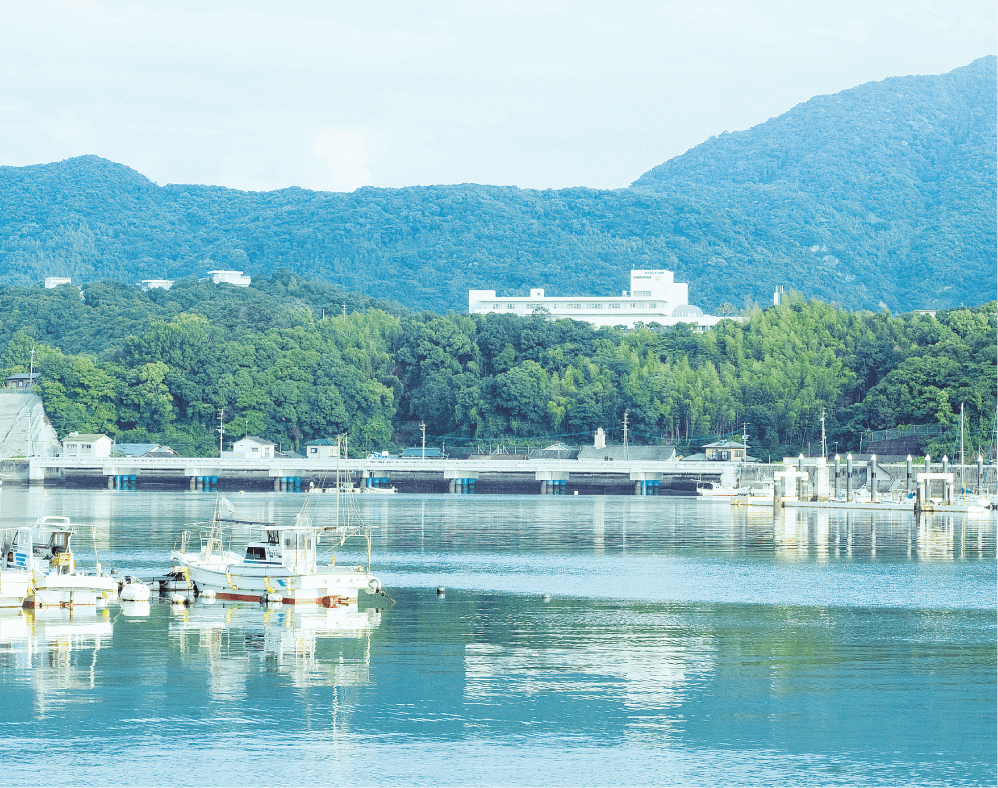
(885, 193)
(891, 185)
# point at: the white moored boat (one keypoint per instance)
(44, 551)
(281, 567)
(14, 580)
(714, 490)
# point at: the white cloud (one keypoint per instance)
(254, 94)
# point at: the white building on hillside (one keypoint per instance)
(52, 282)
(154, 284)
(251, 448)
(77, 445)
(230, 277)
(654, 298)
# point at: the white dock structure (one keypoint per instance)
(646, 475)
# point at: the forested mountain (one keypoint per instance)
(283, 361)
(890, 182)
(881, 194)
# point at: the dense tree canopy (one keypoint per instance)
(162, 365)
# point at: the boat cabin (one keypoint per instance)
(45, 546)
(291, 546)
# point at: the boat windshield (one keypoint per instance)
(299, 547)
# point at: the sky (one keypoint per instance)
(534, 93)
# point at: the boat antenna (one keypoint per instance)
(93, 538)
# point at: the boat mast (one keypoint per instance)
(338, 439)
(963, 459)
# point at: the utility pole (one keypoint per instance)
(344, 310)
(422, 427)
(221, 430)
(625, 433)
(745, 436)
(824, 448)
(31, 387)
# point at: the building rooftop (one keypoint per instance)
(89, 437)
(256, 440)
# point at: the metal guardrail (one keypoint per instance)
(205, 464)
(907, 431)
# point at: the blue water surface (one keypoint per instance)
(681, 643)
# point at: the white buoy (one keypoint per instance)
(177, 599)
(545, 597)
(134, 591)
(208, 595)
(135, 609)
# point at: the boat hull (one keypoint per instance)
(55, 590)
(250, 583)
(14, 588)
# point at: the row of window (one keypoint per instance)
(591, 307)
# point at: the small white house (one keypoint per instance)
(156, 284)
(252, 448)
(52, 282)
(321, 449)
(230, 277)
(77, 445)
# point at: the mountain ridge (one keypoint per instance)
(896, 210)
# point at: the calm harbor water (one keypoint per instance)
(684, 643)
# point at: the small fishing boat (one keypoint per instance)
(759, 494)
(44, 551)
(173, 582)
(281, 567)
(712, 490)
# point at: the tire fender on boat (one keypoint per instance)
(374, 584)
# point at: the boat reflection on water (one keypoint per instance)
(53, 644)
(313, 646)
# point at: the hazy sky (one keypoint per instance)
(538, 94)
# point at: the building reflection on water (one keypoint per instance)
(803, 534)
(650, 663)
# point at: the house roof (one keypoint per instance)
(136, 449)
(725, 444)
(163, 451)
(631, 453)
(24, 376)
(321, 442)
(551, 453)
(75, 437)
(256, 440)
